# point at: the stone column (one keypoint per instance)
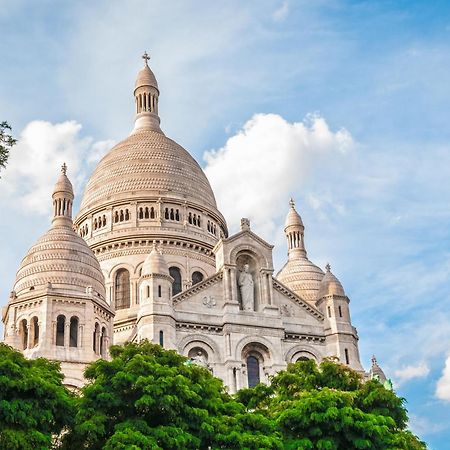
(226, 284)
(234, 294)
(67, 333)
(29, 336)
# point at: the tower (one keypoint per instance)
(341, 336)
(155, 320)
(57, 309)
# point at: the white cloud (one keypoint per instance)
(281, 13)
(269, 151)
(410, 372)
(35, 162)
(443, 384)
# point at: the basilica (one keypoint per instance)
(149, 256)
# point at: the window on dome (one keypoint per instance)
(176, 275)
(146, 215)
(73, 334)
(340, 311)
(23, 332)
(104, 221)
(127, 214)
(253, 371)
(177, 215)
(116, 217)
(197, 277)
(35, 330)
(122, 289)
(166, 213)
(347, 359)
(329, 311)
(152, 213)
(60, 326)
(159, 291)
(161, 338)
(141, 213)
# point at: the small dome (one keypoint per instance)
(293, 217)
(63, 185)
(62, 258)
(301, 276)
(146, 78)
(155, 263)
(376, 372)
(330, 285)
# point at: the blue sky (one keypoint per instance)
(343, 105)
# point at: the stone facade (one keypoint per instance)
(171, 273)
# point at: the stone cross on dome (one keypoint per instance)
(146, 58)
(64, 168)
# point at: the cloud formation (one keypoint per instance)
(443, 384)
(410, 372)
(34, 163)
(269, 151)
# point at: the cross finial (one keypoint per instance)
(292, 203)
(146, 58)
(64, 168)
(328, 267)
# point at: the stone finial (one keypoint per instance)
(328, 267)
(146, 58)
(64, 169)
(374, 360)
(292, 203)
(245, 224)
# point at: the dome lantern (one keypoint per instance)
(146, 96)
(62, 199)
(294, 231)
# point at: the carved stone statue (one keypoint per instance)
(246, 286)
(200, 359)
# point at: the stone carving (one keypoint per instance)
(209, 301)
(200, 359)
(287, 310)
(247, 288)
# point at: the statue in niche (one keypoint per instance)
(199, 359)
(247, 288)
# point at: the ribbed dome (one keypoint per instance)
(62, 258)
(301, 276)
(330, 285)
(146, 78)
(155, 263)
(147, 162)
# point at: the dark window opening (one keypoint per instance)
(176, 275)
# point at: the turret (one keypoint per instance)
(341, 336)
(155, 320)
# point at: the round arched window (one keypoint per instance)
(197, 277)
(175, 273)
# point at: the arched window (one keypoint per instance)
(152, 213)
(329, 311)
(116, 217)
(252, 371)
(172, 215)
(159, 291)
(103, 342)
(176, 275)
(121, 216)
(73, 335)
(95, 338)
(35, 328)
(23, 331)
(340, 311)
(347, 358)
(177, 215)
(166, 213)
(161, 338)
(141, 213)
(197, 277)
(104, 221)
(60, 326)
(122, 289)
(146, 213)
(302, 358)
(190, 218)
(127, 214)
(148, 291)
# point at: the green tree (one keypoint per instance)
(34, 404)
(150, 398)
(6, 143)
(329, 407)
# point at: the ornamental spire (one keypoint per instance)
(146, 58)
(294, 231)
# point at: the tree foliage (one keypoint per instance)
(149, 398)
(34, 404)
(329, 407)
(6, 143)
